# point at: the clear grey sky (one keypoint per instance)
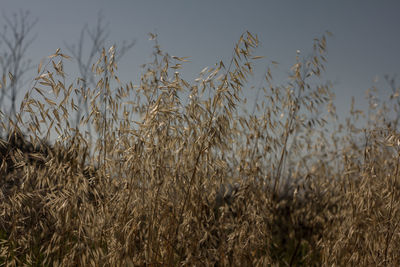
(365, 44)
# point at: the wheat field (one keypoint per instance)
(179, 173)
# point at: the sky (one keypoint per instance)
(364, 46)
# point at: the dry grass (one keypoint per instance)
(180, 174)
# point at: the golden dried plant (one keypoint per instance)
(179, 173)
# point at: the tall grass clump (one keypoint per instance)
(179, 173)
